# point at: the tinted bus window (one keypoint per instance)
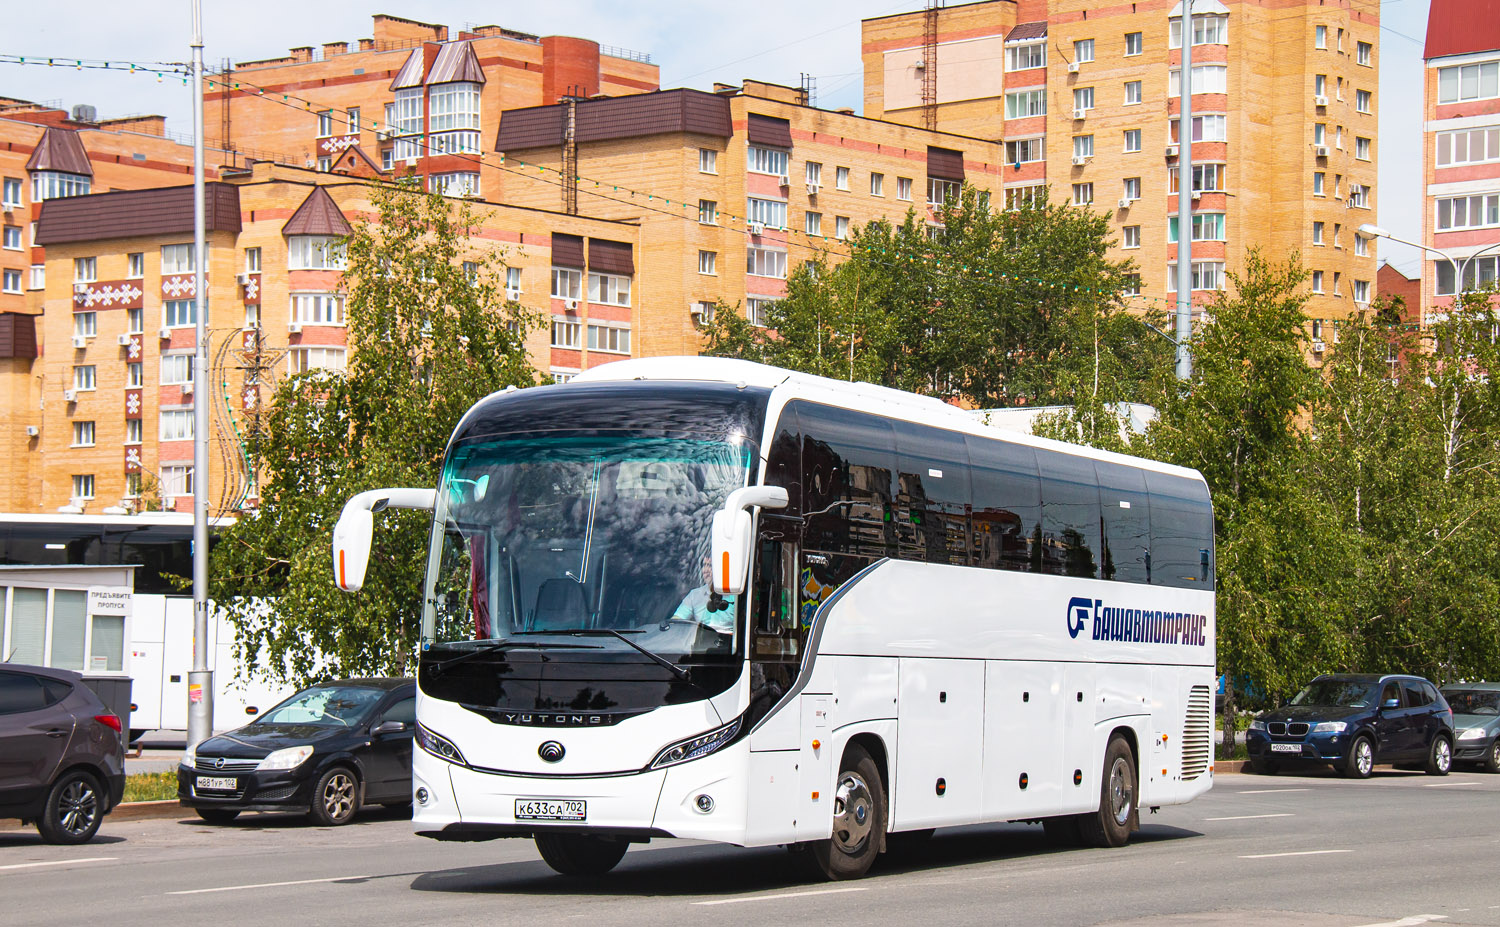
(1070, 514)
(784, 461)
(1182, 532)
(1007, 504)
(848, 464)
(932, 495)
(1125, 523)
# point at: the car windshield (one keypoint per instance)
(1473, 701)
(329, 706)
(1344, 693)
(539, 539)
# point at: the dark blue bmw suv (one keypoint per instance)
(1353, 722)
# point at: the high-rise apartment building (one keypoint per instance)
(1085, 100)
(1461, 149)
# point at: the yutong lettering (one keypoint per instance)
(1137, 625)
(550, 720)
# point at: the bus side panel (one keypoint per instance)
(147, 634)
(771, 799)
(1024, 735)
(940, 722)
(1083, 754)
(814, 805)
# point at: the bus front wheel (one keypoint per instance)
(858, 820)
(578, 855)
(1111, 825)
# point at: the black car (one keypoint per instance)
(326, 750)
(62, 753)
(1353, 722)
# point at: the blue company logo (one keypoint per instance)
(1135, 625)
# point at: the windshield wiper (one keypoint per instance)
(678, 671)
(492, 646)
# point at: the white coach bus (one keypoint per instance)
(912, 620)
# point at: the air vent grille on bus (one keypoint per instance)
(1197, 733)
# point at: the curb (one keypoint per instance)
(148, 810)
(1231, 767)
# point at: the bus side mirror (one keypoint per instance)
(356, 528)
(730, 533)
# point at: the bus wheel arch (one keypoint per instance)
(859, 816)
(1119, 793)
(874, 745)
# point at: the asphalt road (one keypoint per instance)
(1398, 850)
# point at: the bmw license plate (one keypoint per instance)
(538, 809)
(1286, 748)
(216, 784)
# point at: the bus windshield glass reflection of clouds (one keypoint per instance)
(910, 620)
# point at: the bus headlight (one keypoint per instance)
(440, 747)
(694, 747)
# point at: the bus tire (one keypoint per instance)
(1063, 830)
(580, 855)
(1111, 825)
(858, 820)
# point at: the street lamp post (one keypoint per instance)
(200, 716)
(1185, 199)
(1369, 231)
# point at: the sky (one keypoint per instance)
(694, 45)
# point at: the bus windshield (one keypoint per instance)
(556, 540)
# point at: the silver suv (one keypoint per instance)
(62, 756)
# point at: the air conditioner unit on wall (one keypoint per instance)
(1320, 100)
(1318, 347)
(1080, 113)
(813, 188)
(1320, 151)
(242, 279)
(1074, 67)
(187, 387)
(1171, 151)
(784, 180)
(1079, 160)
(1125, 203)
(122, 340)
(702, 313)
(70, 395)
(32, 431)
(164, 333)
(80, 288)
(756, 228)
(294, 327)
(80, 341)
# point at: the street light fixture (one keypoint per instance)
(1368, 231)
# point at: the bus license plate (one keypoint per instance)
(214, 784)
(536, 809)
(1286, 748)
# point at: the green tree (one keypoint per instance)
(427, 337)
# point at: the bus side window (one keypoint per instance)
(784, 461)
(932, 495)
(1007, 506)
(1182, 532)
(1125, 523)
(848, 462)
(1070, 514)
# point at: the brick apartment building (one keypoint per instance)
(115, 386)
(1461, 148)
(1084, 98)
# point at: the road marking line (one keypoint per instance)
(1412, 921)
(61, 862)
(821, 891)
(1438, 785)
(235, 888)
(1269, 791)
(1252, 817)
(1297, 853)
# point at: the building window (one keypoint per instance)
(1207, 226)
(1017, 197)
(765, 262)
(177, 259)
(1130, 236)
(85, 270)
(12, 238)
(179, 313)
(1132, 92)
(387, 158)
(1207, 275)
(1083, 194)
(176, 481)
(770, 213)
(133, 431)
(11, 281)
(136, 262)
(841, 227)
(1025, 103)
(708, 212)
(318, 308)
(1025, 57)
(86, 324)
(813, 170)
(1320, 84)
(512, 283)
(305, 360)
(38, 276)
(940, 191)
(612, 338)
(1317, 281)
(1133, 43)
(766, 161)
(11, 198)
(83, 376)
(566, 334)
(708, 262)
(1468, 146)
(1317, 235)
(1361, 291)
(133, 480)
(708, 161)
(53, 185)
(1083, 146)
(756, 309)
(1481, 271)
(1205, 129)
(1026, 150)
(1468, 82)
(877, 184)
(562, 375)
(1362, 100)
(1132, 139)
(1361, 246)
(1083, 50)
(841, 178)
(1208, 78)
(135, 376)
(454, 111)
(1131, 285)
(1359, 196)
(1083, 99)
(325, 164)
(176, 425)
(1364, 53)
(1337, 285)
(567, 283)
(325, 123)
(252, 260)
(1132, 188)
(812, 223)
(353, 127)
(1319, 178)
(83, 488)
(460, 183)
(1361, 148)
(83, 434)
(609, 289)
(406, 121)
(1208, 29)
(135, 321)
(903, 188)
(1338, 137)
(314, 252)
(1320, 37)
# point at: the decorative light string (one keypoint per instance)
(159, 68)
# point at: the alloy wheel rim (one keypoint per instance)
(1365, 757)
(338, 797)
(1444, 755)
(1121, 792)
(853, 813)
(77, 807)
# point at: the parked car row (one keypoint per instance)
(1354, 721)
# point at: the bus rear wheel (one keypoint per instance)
(578, 855)
(1111, 825)
(858, 820)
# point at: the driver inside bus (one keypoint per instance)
(703, 605)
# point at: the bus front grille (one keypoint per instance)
(1197, 733)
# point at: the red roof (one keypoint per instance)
(318, 215)
(60, 150)
(1461, 27)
